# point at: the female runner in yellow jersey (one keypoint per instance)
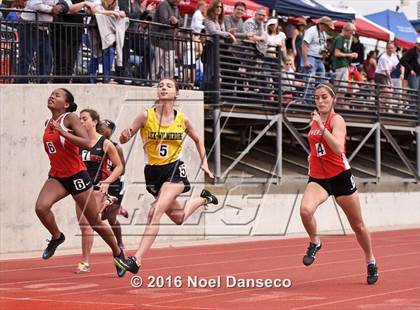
(162, 130)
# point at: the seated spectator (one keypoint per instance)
(197, 23)
(288, 81)
(234, 23)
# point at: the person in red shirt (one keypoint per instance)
(330, 174)
(63, 136)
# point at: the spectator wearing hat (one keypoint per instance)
(296, 42)
(411, 61)
(275, 37)
(342, 56)
(314, 46)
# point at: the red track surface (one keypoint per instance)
(337, 280)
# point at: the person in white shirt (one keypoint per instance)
(197, 23)
(314, 46)
(275, 37)
(387, 62)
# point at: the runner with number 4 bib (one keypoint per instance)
(162, 131)
(330, 174)
(63, 136)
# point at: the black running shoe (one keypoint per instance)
(52, 246)
(209, 197)
(372, 273)
(128, 264)
(310, 255)
(120, 271)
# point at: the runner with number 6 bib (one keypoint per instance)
(162, 130)
(330, 175)
(63, 136)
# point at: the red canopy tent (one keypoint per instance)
(366, 28)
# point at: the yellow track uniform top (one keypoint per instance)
(162, 144)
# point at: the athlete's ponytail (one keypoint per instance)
(70, 100)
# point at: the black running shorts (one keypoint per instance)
(157, 175)
(340, 185)
(75, 184)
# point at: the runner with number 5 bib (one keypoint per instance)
(162, 130)
(63, 136)
(330, 175)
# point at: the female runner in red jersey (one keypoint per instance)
(330, 174)
(63, 136)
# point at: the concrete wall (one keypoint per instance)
(243, 211)
(24, 165)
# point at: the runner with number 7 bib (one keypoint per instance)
(63, 136)
(163, 130)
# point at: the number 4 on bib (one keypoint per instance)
(320, 149)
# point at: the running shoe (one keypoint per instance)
(129, 264)
(52, 246)
(110, 199)
(123, 211)
(310, 255)
(372, 273)
(82, 267)
(209, 197)
(120, 271)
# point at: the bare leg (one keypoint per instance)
(110, 213)
(167, 196)
(87, 235)
(313, 196)
(86, 201)
(51, 192)
(351, 207)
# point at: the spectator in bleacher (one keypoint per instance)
(255, 26)
(369, 66)
(397, 75)
(288, 79)
(16, 4)
(341, 59)
(107, 8)
(234, 22)
(36, 38)
(314, 46)
(167, 13)
(214, 25)
(66, 37)
(197, 22)
(387, 62)
(138, 40)
(296, 43)
(359, 48)
(275, 37)
(214, 22)
(411, 61)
